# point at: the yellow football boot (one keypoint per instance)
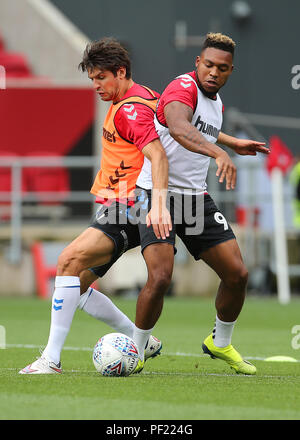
(139, 367)
(229, 355)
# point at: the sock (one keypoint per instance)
(141, 337)
(99, 306)
(64, 303)
(222, 333)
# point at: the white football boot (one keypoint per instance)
(153, 347)
(42, 366)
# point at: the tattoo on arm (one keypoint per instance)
(192, 136)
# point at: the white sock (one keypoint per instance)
(222, 333)
(99, 306)
(141, 337)
(64, 303)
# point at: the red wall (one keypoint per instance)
(44, 119)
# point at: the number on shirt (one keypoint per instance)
(221, 220)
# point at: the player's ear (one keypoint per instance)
(122, 72)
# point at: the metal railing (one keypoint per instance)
(16, 197)
(228, 199)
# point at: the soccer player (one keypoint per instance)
(188, 120)
(128, 136)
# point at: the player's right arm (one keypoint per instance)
(178, 117)
(140, 130)
(158, 216)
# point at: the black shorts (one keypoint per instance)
(114, 221)
(196, 220)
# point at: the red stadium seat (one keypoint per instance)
(52, 179)
(15, 64)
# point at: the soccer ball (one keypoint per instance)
(115, 354)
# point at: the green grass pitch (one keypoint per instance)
(181, 384)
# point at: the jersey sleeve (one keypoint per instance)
(135, 123)
(180, 89)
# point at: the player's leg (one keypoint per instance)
(159, 259)
(226, 260)
(100, 307)
(92, 247)
(217, 246)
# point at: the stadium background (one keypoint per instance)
(50, 109)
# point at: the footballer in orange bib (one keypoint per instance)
(127, 128)
(128, 135)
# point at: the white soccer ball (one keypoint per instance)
(115, 354)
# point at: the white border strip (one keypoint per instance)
(61, 23)
(177, 353)
(173, 373)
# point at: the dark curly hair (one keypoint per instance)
(106, 54)
(219, 41)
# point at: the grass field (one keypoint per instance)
(181, 384)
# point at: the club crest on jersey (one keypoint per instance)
(206, 128)
(132, 113)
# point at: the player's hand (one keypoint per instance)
(160, 219)
(226, 170)
(247, 147)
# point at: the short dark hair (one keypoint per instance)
(219, 41)
(106, 54)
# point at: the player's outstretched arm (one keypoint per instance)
(244, 147)
(179, 117)
(158, 216)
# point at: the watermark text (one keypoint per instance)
(296, 79)
(296, 339)
(2, 337)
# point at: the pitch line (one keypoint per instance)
(161, 373)
(177, 353)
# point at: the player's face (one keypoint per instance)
(214, 66)
(106, 84)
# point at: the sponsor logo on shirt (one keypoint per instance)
(206, 128)
(110, 137)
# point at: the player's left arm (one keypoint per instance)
(158, 216)
(244, 147)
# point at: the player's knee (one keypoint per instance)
(238, 278)
(68, 262)
(160, 281)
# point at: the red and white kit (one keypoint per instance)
(187, 170)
